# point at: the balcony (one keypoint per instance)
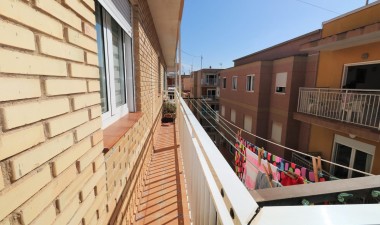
(210, 97)
(351, 106)
(210, 82)
(189, 182)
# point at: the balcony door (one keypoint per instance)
(211, 93)
(351, 153)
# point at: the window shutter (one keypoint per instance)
(276, 132)
(248, 123)
(281, 79)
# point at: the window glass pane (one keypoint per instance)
(101, 58)
(118, 63)
(362, 162)
(342, 156)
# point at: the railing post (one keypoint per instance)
(319, 93)
(344, 103)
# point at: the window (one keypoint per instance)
(115, 66)
(211, 93)
(248, 123)
(223, 111)
(351, 153)
(276, 132)
(233, 115)
(234, 83)
(281, 82)
(224, 82)
(250, 82)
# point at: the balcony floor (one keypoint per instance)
(163, 198)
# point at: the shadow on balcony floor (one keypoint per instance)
(163, 198)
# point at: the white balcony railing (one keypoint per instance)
(215, 193)
(217, 196)
(210, 81)
(355, 106)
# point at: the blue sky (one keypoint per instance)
(224, 30)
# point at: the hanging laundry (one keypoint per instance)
(262, 182)
(289, 181)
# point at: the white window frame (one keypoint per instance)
(211, 89)
(280, 82)
(234, 83)
(114, 112)
(233, 118)
(249, 86)
(347, 65)
(224, 82)
(355, 146)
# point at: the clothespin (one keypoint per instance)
(291, 174)
(260, 154)
(269, 175)
(317, 167)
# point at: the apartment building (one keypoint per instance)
(81, 89)
(343, 108)
(260, 93)
(206, 88)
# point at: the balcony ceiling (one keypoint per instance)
(167, 16)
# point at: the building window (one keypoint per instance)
(211, 93)
(115, 67)
(233, 115)
(224, 82)
(250, 82)
(223, 111)
(281, 82)
(276, 132)
(353, 154)
(234, 83)
(248, 123)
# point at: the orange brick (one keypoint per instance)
(34, 206)
(97, 137)
(89, 186)
(21, 12)
(19, 88)
(25, 162)
(16, 36)
(88, 128)
(82, 101)
(83, 71)
(89, 30)
(68, 157)
(15, 116)
(89, 156)
(59, 12)
(74, 188)
(64, 86)
(83, 208)
(95, 112)
(64, 123)
(47, 216)
(10, 143)
(52, 47)
(22, 63)
(22, 190)
(93, 85)
(76, 38)
(92, 59)
(81, 10)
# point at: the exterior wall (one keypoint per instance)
(53, 169)
(283, 50)
(331, 64)
(326, 146)
(365, 16)
(186, 83)
(331, 69)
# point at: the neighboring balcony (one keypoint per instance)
(351, 106)
(210, 97)
(210, 82)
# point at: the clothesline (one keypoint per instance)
(238, 150)
(287, 148)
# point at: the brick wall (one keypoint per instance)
(52, 166)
